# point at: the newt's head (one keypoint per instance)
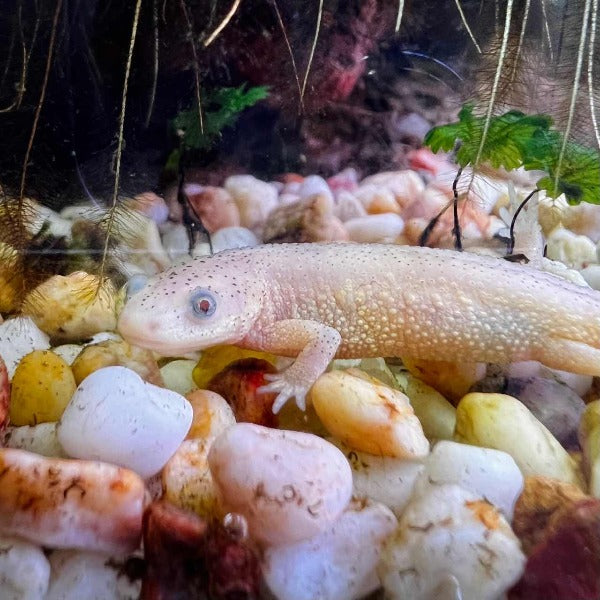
(192, 306)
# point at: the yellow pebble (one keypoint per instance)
(452, 380)
(42, 386)
(502, 422)
(367, 415)
(589, 437)
(436, 414)
(112, 353)
(187, 481)
(11, 280)
(72, 307)
(214, 360)
(177, 376)
(212, 414)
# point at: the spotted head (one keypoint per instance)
(208, 301)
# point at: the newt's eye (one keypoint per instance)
(203, 303)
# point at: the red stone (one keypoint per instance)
(4, 395)
(188, 558)
(565, 565)
(238, 384)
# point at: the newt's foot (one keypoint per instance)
(286, 388)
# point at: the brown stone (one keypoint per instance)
(307, 220)
(541, 498)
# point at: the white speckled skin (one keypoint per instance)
(317, 301)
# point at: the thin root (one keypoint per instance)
(113, 208)
(40, 104)
(213, 36)
(312, 49)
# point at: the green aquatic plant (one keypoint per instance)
(514, 140)
(505, 146)
(221, 108)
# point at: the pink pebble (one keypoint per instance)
(214, 206)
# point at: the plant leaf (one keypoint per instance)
(506, 143)
(221, 108)
(579, 176)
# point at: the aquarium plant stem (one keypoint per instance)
(40, 104)
(155, 64)
(590, 69)
(195, 61)
(575, 89)
(511, 243)
(312, 49)
(431, 225)
(113, 208)
(521, 39)
(456, 229)
(213, 36)
(399, 16)
(291, 53)
(495, 84)
(467, 27)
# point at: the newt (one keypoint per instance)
(316, 302)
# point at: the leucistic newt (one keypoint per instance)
(320, 301)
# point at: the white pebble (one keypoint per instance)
(90, 576)
(348, 206)
(575, 251)
(114, 416)
(289, 485)
(375, 228)
(76, 212)
(103, 336)
(492, 474)
(233, 237)
(315, 184)
(24, 570)
(591, 274)
(450, 531)
(18, 337)
(175, 240)
(68, 352)
(580, 384)
(384, 479)
(255, 199)
(406, 185)
(338, 564)
(377, 199)
(41, 439)
(56, 225)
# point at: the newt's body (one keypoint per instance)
(320, 301)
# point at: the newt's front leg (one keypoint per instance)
(314, 344)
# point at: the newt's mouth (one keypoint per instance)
(166, 347)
